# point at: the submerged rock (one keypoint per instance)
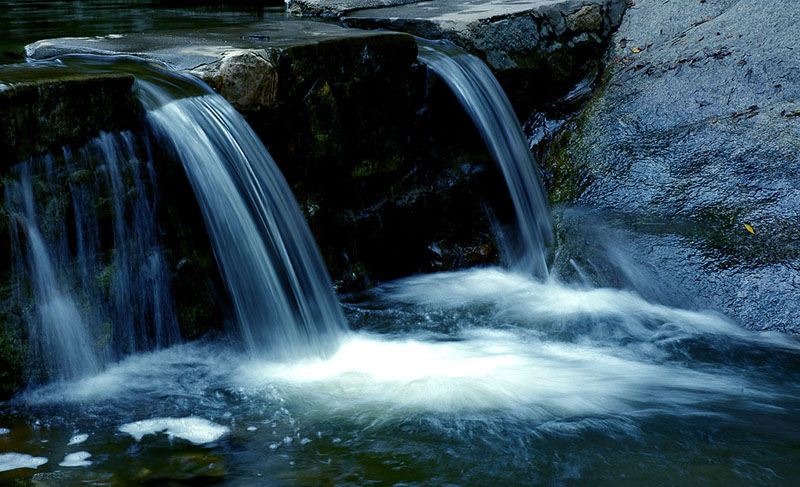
(538, 49)
(691, 145)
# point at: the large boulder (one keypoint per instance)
(538, 49)
(690, 152)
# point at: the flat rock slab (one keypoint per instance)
(539, 49)
(337, 8)
(188, 49)
(242, 63)
(43, 107)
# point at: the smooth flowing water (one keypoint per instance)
(64, 344)
(58, 204)
(282, 295)
(26, 21)
(487, 104)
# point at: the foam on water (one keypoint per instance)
(489, 371)
(78, 439)
(553, 306)
(142, 375)
(623, 358)
(77, 459)
(13, 460)
(195, 430)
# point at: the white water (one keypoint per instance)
(63, 338)
(76, 459)
(503, 357)
(82, 295)
(194, 430)
(282, 296)
(13, 460)
(487, 104)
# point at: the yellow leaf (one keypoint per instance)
(749, 228)
(636, 50)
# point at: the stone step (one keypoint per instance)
(538, 49)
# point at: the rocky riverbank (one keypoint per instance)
(690, 150)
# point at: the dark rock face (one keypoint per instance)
(538, 49)
(43, 108)
(351, 129)
(691, 142)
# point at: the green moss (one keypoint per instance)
(566, 175)
(105, 276)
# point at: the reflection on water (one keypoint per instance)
(23, 22)
(469, 378)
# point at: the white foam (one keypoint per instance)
(77, 459)
(192, 429)
(4, 431)
(522, 299)
(138, 375)
(487, 370)
(11, 461)
(78, 439)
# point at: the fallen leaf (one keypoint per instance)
(749, 228)
(636, 50)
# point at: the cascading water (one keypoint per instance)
(476, 377)
(487, 104)
(89, 307)
(64, 343)
(281, 291)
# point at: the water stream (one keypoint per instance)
(478, 377)
(283, 297)
(487, 104)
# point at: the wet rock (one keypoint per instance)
(539, 49)
(690, 142)
(244, 77)
(45, 107)
(337, 8)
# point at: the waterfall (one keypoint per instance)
(484, 100)
(281, 292)
(86, 238)
(89, 306)
(65, 347)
